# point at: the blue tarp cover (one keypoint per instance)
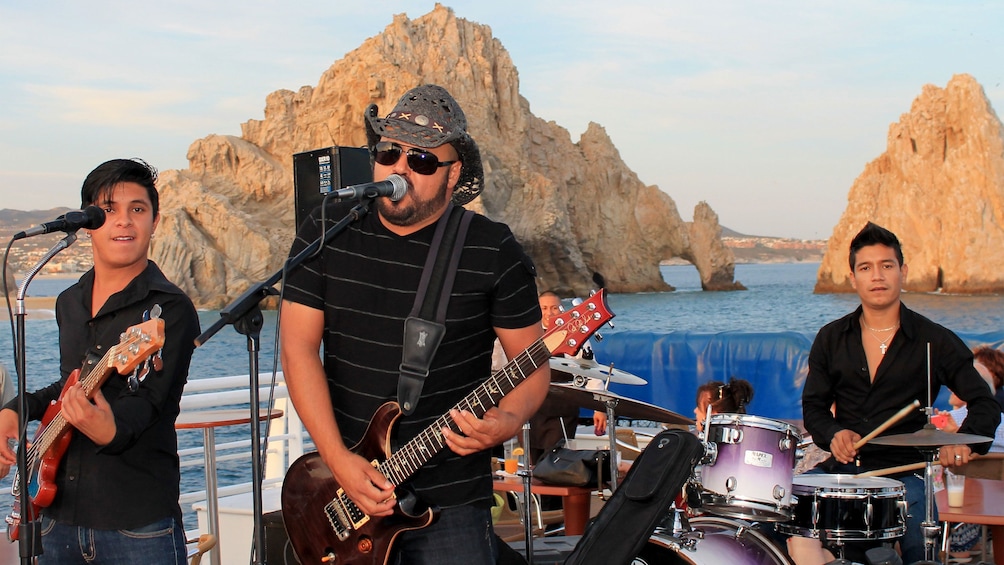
(676, 363)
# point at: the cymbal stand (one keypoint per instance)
(611, 403)
(527, 474)
(929, 527)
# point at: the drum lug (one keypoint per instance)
(779, 493)
(689, 540)
(710, 454)
(868, 515)
(903, 510)
(785, 443)
(730, 484)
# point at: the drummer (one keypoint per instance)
(870, 364)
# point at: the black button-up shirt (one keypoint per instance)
(135, 479)
(838, 373)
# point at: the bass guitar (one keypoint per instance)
(136, 345)
(325, 526)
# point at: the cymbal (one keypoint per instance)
(592, 370)
(623, 406)
(929, 437)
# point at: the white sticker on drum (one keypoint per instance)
(758, 458)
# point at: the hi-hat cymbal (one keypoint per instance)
(623, 406)
(593, 370)
(929, 437)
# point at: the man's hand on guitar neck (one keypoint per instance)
(478, 434)
(93, 419)
(363, 483)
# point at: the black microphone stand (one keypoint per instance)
(29, 533)
(246, 317)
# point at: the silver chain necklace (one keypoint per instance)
(883, 343)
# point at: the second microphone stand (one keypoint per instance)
(245, 315)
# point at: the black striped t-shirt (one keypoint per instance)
(365, 280)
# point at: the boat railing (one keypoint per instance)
(286, 437)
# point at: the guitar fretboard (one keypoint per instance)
(430, 441)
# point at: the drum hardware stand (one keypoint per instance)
(527, 474)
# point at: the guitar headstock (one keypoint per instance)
(136, 344)
(570, 330)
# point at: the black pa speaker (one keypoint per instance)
(278, 551)
(318, 172)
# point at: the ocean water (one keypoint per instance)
(779, 298)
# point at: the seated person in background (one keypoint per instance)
(723, 398)
(993, 360)
(965, 536)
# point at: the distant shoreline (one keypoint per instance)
(37, 308)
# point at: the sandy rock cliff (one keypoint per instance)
(228, 219)
(940, 188)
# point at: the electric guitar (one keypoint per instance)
(325, 526)
(52, 439)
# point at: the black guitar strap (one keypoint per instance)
(426, 324)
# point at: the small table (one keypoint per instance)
(574, 500)
(208, 421)
(983, 504)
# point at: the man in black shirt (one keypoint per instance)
(353, 299)
(872, 363)
(117, 485)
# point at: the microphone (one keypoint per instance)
(393, 187)
(90, 218)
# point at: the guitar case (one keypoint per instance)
(642, 500)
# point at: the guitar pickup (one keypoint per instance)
(344, 515)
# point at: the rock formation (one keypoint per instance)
(940, 188)
(576, 207)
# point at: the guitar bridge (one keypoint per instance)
(344, 515)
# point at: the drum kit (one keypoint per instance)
(747, 477)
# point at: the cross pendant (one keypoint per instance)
(883, 347)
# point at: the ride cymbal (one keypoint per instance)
(930, 437)
(593, 370)
(623, 406)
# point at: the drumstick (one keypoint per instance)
(891, 470)
(895, 418)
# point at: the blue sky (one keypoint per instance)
(767, 110)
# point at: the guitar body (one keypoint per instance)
(42, 482)
(42, 472)
(309, 490)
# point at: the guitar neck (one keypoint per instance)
(90, 382)
(430, 441)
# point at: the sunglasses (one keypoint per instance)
(422, 162)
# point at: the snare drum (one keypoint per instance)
(752, 461)
(711, 541)
(847, 508)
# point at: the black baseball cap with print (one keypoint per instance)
(427, 116)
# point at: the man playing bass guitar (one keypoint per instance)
(117, 485)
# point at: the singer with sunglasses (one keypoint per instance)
(350, 303)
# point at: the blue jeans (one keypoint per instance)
(462, 536)
(912, 542)
(162, 543)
